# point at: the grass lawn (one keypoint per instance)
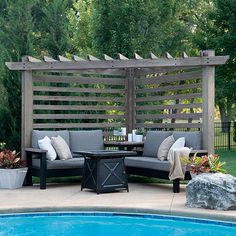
(230, 158)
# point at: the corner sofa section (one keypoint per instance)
(77, 141)
(148, 164)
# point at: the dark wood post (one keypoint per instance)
(229, 136)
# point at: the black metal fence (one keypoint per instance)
(225, 135)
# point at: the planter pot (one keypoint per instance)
(12, 178)
(138, 138)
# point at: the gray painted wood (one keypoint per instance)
(169, 88)
(169, 97)
(76, 125)
(127, 104)
(169, 125)
(77, 116)
(130, 101)
(79, 80)
(78, 99)
(27, 110)
(168, 107)
(181, 116)
(78, 90)
(208, 94)
(122, 63)
(169, 78)
(78, 108)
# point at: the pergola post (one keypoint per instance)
(27, 109)
(130, 121)
(208, 95)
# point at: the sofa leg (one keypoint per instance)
(176, 185)
(43, 171)
(42, 182)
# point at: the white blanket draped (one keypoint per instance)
(177, 168)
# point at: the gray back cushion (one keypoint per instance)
(192, 139)
(85, 140)
(40, 134)
(153, 141)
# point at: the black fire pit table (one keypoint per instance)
(104, 170)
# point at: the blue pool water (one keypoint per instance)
(110, 224)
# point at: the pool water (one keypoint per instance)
(110, 224)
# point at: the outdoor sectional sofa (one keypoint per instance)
(145, 165)
(77, 141)
(149, 165)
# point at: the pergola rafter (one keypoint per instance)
(110, 63)
(108, 93)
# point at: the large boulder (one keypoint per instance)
(212, 191)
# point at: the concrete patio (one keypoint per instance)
(143, 197)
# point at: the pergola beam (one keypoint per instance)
(118, 64)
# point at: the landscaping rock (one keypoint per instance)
(212, 191)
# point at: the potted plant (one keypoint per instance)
(139, 135)
(12, 169)
(204, 164)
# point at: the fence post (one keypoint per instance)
(228, 132)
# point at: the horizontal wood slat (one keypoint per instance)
(173, 106)
(76, 107)
(169, 125)
(79, 80)
(151, 71)
(78, 99)
(169, 97)
(183, 116)
(169, 78)
(76, 125)
(77, 90)
(169, 88)
(77, 116)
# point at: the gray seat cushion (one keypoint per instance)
(61, 164)
(192, 139)
(147, 162)
(40, 134)
(153, 141)
(86, 140)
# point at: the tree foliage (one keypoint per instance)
(137, 26)
(60, 27)
(16, 40)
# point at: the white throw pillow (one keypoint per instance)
(45, 144)
(165, 147)
(179, 143)
(61, 147)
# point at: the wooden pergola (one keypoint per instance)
(155, 93)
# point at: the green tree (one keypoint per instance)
(216, 28)
(52, 27)
(81, 25)
(140, 26)
(16, 40)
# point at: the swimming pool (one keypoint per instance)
(110, 224)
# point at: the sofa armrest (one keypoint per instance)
(38, 153)
(35, 150)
